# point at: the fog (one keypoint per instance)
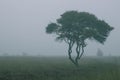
(23, 23)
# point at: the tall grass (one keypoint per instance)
(59, 68)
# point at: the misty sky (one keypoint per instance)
(23, 22)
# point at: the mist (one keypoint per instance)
(23, 23)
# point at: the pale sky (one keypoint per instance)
(23, 22)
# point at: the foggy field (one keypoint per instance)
(87, 32)
(59, 68)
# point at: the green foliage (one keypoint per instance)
(52, 28)
(79, 26)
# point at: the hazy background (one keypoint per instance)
(23, 22)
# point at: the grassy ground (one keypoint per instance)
(59, 68)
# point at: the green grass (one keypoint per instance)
(59, 68)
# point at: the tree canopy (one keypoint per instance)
(75, 28)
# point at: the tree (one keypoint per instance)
(99, 52)
(5, 54)
(24, 54)
(75, 28)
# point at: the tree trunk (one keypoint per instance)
(69, 53)
(79, 51)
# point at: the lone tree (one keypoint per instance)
(75, 28)
(100, 53)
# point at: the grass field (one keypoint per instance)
(59, 68)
